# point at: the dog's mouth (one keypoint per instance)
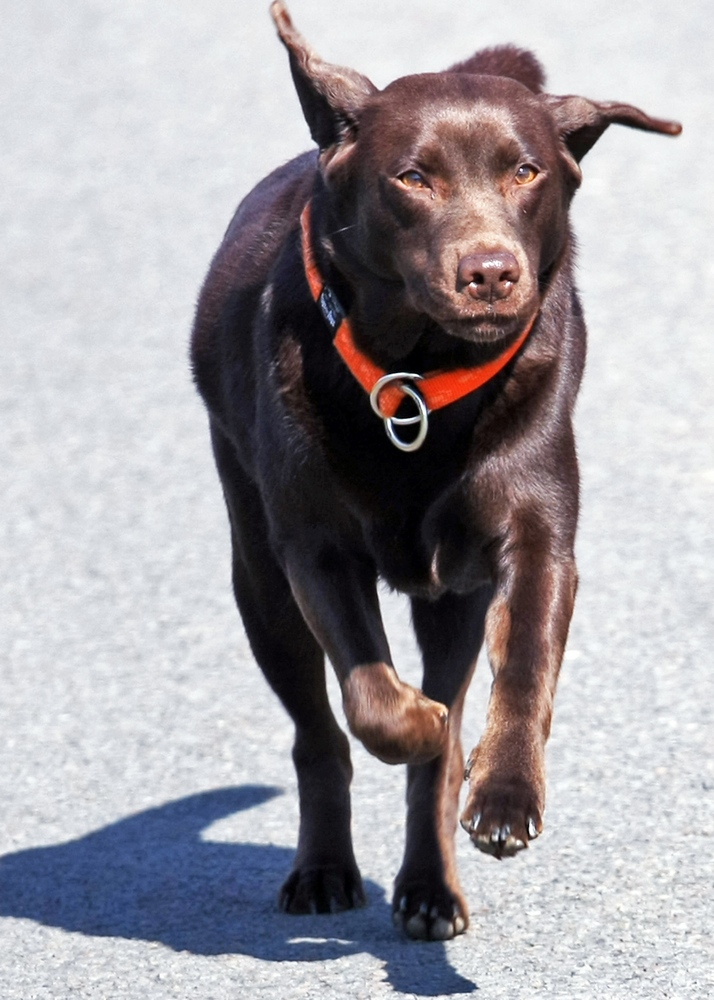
(483, 330)
(477, 323)
(488, 328)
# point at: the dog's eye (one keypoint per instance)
(526, 173)
(413, 179)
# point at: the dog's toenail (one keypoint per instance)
(441, 930)
(513, 845)
(416, 928)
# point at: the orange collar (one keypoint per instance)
(430, 392)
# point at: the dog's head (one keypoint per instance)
(450, 191)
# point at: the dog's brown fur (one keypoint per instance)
(440, 219)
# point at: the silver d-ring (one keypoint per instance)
(421, 418)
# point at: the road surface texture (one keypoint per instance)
(148, 804)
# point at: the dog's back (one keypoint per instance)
(505, 60)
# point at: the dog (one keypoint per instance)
(389, 344)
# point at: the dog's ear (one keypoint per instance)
(331, 96)
(581, 122)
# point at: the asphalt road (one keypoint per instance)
(148, 808)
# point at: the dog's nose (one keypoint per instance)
(489, 276)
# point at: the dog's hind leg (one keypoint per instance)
(428, 902)
(325, 876)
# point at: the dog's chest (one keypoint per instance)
(427, 551)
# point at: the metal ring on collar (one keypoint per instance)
(421, 418)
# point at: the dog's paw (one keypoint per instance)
(429, 913)
(393, 720)
(322, 889)
(503, 815)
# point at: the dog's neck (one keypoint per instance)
(439, 388)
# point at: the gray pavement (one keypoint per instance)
(147, 801)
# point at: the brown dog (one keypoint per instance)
(389, 345)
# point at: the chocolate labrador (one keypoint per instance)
(389, 344)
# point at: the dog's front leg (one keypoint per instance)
(337, 595)
(526, 630)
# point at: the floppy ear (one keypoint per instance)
(581, 122)
(331, 96)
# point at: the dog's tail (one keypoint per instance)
(505, 60)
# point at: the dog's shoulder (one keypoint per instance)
(272, 206)
(505, 60)
(257, 234)
(229, 302)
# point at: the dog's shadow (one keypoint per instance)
(153, 877)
